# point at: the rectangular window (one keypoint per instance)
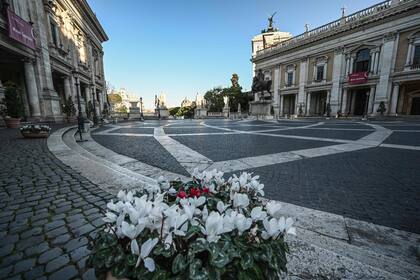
(320, 73)
(416, 57)
(54, 33)
(289, 79)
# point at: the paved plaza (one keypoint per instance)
(367, 171)
(53, 191)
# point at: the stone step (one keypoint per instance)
(327, 243)
(109, 176)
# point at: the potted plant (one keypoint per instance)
(35, 131)
(206, 228)
(14, 105)
(69, 108)
(381, 108)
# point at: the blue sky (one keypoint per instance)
(184, 47)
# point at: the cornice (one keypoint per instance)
(377, 13)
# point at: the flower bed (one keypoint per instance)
(206, 228)
(35, 131)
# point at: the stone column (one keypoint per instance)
(276, 90)
(308, 103)
(394, 98)
(408, 58)
(376, 64)
(87, 94)
(347, 65)
(401, 100)
(351, 64)
(337, 73)
(32, 89)
(344, 102)
(387, 57)
(371, 99)
(281, 105)
(67, 88)
(303, 73)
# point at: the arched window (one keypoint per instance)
(361, 63)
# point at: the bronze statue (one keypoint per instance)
(235, 80)
(270, 21)
(259, 84)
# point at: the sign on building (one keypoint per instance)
(20, 30)
(358, 78)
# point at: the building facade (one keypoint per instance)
(352, 66)
(52, 49)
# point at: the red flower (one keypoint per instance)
(206, 190)
(181, 194)
(194, 192)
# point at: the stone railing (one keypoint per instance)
(332, 27)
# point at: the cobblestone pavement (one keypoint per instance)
(374, 184)
(47, 212)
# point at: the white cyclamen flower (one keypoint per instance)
(240, 200)
(257, 187)
(273, 209)
(285, 225)
(271, 228)
(144, 252)
(242, 223)
(257, 214)
(221, 207)
(213, 227)
(130, 230)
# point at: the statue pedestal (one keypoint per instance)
(200, 113)
(163, 113)
(134, 111)
(226, 111)
(261, 108)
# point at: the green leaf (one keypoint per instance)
(247, 260)
(179, 264)
(195, 271)
(219, 258)
(198, 246)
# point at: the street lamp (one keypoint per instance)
(95, 116)
(141, 108)
(80, 120)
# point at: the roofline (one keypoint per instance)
(93, 20)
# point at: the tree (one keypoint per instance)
(122, 109)
(214, 99)
(114, 98)
(13, 101)
(69, 108)
(186, 112)
(173, 111)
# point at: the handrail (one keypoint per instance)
(352, 18)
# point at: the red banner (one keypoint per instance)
(20, 30)
(358, 78)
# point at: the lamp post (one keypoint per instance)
(80, 120)
(95, 116)
(141, 108)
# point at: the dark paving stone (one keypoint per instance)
(404, 138)
(184, 130)
(49, 255)
(35, 272)
(378, 185)
(323, 133)
(89, 275)
(145, 149)
(135, 130)
(79, 253)
(65, 273)
(24, 265)
(402, 127)
(226, 147)
(57, 263)
(75, 243)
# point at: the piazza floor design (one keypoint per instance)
(363, 170)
